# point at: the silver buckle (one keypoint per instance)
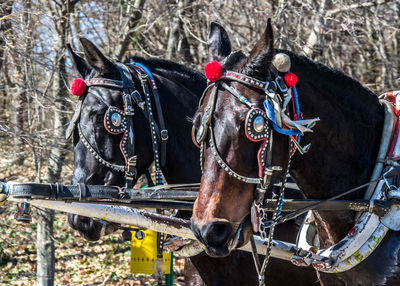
(164, 134)
(270, 86)
(129, 111)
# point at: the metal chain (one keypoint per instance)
(225, 166)
(275, 215)
(97, 156)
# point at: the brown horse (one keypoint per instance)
(344, 148)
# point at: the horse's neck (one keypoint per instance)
(344, 144)
(182, 162)
(182, 158)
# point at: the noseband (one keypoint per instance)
(117, 121)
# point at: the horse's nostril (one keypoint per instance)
(217, 233)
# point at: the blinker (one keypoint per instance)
(114, 120)
(256, 125)
(200, 134)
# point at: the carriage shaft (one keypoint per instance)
(148, 220)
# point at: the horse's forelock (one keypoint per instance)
(231, 61)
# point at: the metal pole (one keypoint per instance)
(149, 220)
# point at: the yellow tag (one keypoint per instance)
(144, 253)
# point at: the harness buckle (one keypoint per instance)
(281, 84)
(164, 134)
(138, 99)
(268, 174)
(129, 111)
(270, 86)
(131, 171)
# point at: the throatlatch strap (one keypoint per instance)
(145, 72)
(128, 140)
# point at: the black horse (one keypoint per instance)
(179, 89)
(344, 148)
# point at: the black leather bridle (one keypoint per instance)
(117, 121)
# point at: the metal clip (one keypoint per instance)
(132, 161)
(23, 214)
(268, 174)
(138, 99)
(281, 83)
(129, 111)
(261, 279)
(164, 134)
(270, 86)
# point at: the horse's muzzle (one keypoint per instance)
(219, 238)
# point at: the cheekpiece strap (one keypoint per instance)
(127, 144)
(206, 118)
(163, 131)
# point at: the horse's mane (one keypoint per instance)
(349, 91)
(190, 78)
(326, 72)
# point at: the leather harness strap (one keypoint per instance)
(82, 192)
(128, 141)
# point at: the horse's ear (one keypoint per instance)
(95, 58)
(261, 55)
(80, 65)
(218, 43)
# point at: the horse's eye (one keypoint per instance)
(96, 118)
(242, 126)
(100, 119)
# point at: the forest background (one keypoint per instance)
(361, 38)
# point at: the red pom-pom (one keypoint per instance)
(290, 79)
(78, 87)
(213, 71)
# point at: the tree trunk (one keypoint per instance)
(45, 244)
(315, 41)
(5, 25)
(45, 247)
(129, 29)
(177, 40)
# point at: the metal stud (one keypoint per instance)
(116, 119)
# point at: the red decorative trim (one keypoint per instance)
(394, 139)
(260, 165)
(122, 148)
(194, 138)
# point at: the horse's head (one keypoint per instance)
(224, 125)
(97, 155)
